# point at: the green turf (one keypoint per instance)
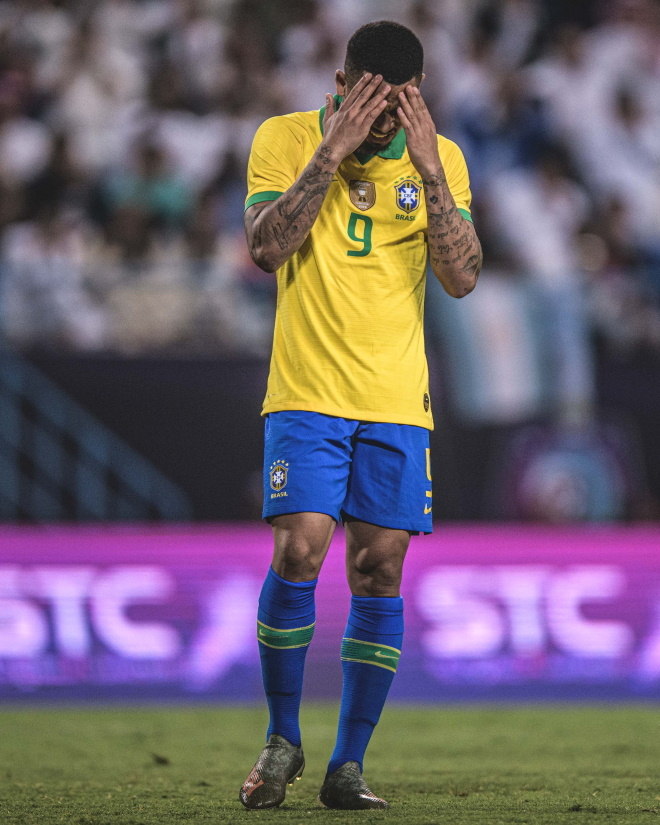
(455, 766)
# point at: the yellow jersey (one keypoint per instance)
(349, 325)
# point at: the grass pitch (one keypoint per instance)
(456, 766)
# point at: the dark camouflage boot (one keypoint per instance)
(278, 765)
(345, 789)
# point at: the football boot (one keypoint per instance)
(345, 789)
(279, 764)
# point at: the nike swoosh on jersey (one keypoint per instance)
(382, 655)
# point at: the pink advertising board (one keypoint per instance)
(492, 612)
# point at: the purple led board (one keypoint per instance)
(510, 612)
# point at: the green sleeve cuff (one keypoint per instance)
(260, 197)
(466, 215)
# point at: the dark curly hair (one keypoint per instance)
(386, 48)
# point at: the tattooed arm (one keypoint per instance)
(277, 229)
(454, 249)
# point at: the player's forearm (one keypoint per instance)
(280, 228)
(454, 249)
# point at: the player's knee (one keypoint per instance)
(297, 561)
(375, 576)
(301, 542)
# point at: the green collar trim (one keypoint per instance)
(394, 150)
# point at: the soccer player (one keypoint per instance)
(346, 204)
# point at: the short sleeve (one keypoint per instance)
(272, 166)
(458, 178)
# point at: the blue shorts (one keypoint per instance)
(373, 472)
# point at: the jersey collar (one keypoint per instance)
(394, 150)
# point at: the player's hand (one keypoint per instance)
(346, 129)
(421, 134)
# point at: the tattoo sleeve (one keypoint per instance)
(454, 249)
(279, 229)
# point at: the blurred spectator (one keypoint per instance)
(564, 79)
(492, 353)
(43, 294)
(196, 45)
(95, 83)
(623, 308)
(537, 213)
(24, 145)
(630, 140)
(125, 127)
(61, 181)
(148, 186)
(193, 138)
(38, 30)
(310, 56)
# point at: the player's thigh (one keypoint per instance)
(390, 483)
(307, 459)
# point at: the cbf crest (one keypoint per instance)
(279, 473)
(362, 194)
(407, 195)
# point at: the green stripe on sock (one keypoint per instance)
(370, 653)
(284, 639)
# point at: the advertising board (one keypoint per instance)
(168, 613)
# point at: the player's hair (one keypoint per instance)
(386, 48)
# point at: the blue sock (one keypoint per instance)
(370, 653)
(285, 624)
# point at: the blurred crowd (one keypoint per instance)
(125, 127)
